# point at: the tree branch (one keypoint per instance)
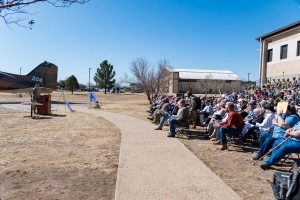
(15, 7)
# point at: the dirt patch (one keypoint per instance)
(61, 156)
(233, 166)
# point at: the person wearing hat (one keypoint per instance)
(294, 82)
(279, 84)
(193, 109)
(289, 84)
(273, 83)
(284, 84)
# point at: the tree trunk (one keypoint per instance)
(148, 95)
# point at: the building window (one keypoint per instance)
(283, 51)
(270, 55)
(298, 48)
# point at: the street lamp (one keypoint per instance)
(248, 76)
(89, 79)
(20, 70)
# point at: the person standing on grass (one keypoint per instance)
(35, 96)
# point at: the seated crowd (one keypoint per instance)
(250, 115)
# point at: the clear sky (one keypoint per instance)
(191, 34)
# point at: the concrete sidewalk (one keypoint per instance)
(153, 166)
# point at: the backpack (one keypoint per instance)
(198, 103)
(286, 186)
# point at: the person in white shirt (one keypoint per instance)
(269, 116)
(267, 123)
(207, 111)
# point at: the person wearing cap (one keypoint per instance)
(273, 83)
(193, 110)
(281, 123)
(35, 96)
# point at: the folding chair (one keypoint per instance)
(236, 138)
(183, 129)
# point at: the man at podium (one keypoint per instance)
(35, 96)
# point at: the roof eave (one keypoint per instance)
(278, 31)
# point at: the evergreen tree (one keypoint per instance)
(61, 83)
(104, 77)
(72, 83)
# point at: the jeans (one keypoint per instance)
(163, 119)
(221, 133)
(290, 146)
(265, 142)
(172, 123)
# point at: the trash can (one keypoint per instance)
(44, 109)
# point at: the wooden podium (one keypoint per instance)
(44, 109)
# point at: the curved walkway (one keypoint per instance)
(152, 166)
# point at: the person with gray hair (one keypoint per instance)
(181, 119)
(258, 117)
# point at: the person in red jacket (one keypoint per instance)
(233, 124)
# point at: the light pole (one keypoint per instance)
(20, 70)
(248, 77)
(89, 79)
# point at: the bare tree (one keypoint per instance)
(9, 8)
(162, 79)
(143, 72)
(220, 84)
(204, 83)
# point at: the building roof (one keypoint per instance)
(205, 74)
(278, 31)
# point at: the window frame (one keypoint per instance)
(281, 51)
(298, 48)
(270, 58)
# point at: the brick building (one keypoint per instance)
(280, 54)
(201, 81)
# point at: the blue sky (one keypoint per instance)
(191, 34)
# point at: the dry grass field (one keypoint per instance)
(65, 157)
(61, 156)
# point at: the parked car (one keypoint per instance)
(135, 91)
(80, 90)
(121, 90)
(62, 90)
